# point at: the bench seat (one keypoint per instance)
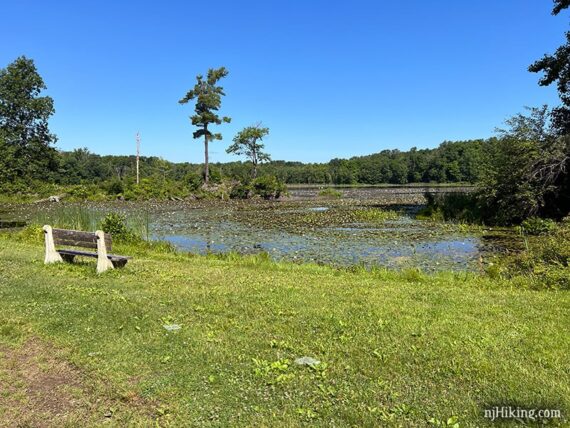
(69, 255)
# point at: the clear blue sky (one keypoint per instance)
(330, 78)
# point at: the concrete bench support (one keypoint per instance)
(52, 256)
(103, 263)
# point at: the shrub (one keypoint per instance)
(537, 226)
(268, 187)
(31, 233)
(115, 187)
(215, 174)
(79, 192)
(193, 180)
(240, 191)
(155, 188)
(452, 206)
(330, 193)
(116, 225)
(546, 260)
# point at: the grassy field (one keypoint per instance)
(395, 349)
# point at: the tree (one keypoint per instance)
(248, 142)
(25, 139)
(556, 68)
(559, 5)
(552, 169)
(208, 96)
(525, 170)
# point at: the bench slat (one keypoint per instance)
(77, 238)
(87, 254)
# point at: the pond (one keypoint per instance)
(369, 231)
(323, 234)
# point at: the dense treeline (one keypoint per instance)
(451, 162)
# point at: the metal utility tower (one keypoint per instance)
(138, 155)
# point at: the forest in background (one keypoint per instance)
(451, 162)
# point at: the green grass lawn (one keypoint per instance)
(396, 349)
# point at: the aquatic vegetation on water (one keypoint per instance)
(330, 193)
(340, 232)
(376, 215)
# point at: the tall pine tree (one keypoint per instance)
(208, 96)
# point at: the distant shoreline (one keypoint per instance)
(381, 185)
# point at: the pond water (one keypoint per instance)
(390, 194)
(321, 231)
(315, 233)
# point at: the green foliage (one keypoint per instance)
(155, 187)
(116, 225)
(240, 191)
(556, 68)
(115, 187)
(215, 174)
(268, 187)
(451, 422)
(375, 215)
(32, 233)
(537, 226)
(545, 260)
(248, 142)
(462, 207)
(208, 96)
(525, 171)
(193, 180)
(25, 140)
(86, 192)
(329, 192)
(166, 179)
(79, 192)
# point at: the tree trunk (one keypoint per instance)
(206, 166)
(254, 161)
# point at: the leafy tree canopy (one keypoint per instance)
(525, 170)
(556, 68)
(248, 142)
(24, 134)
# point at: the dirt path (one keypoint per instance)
(40, 389)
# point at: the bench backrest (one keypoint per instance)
(77, 238)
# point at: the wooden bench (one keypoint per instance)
(98, 240)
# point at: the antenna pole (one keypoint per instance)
(138, 155)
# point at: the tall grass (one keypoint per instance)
(82, 217)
